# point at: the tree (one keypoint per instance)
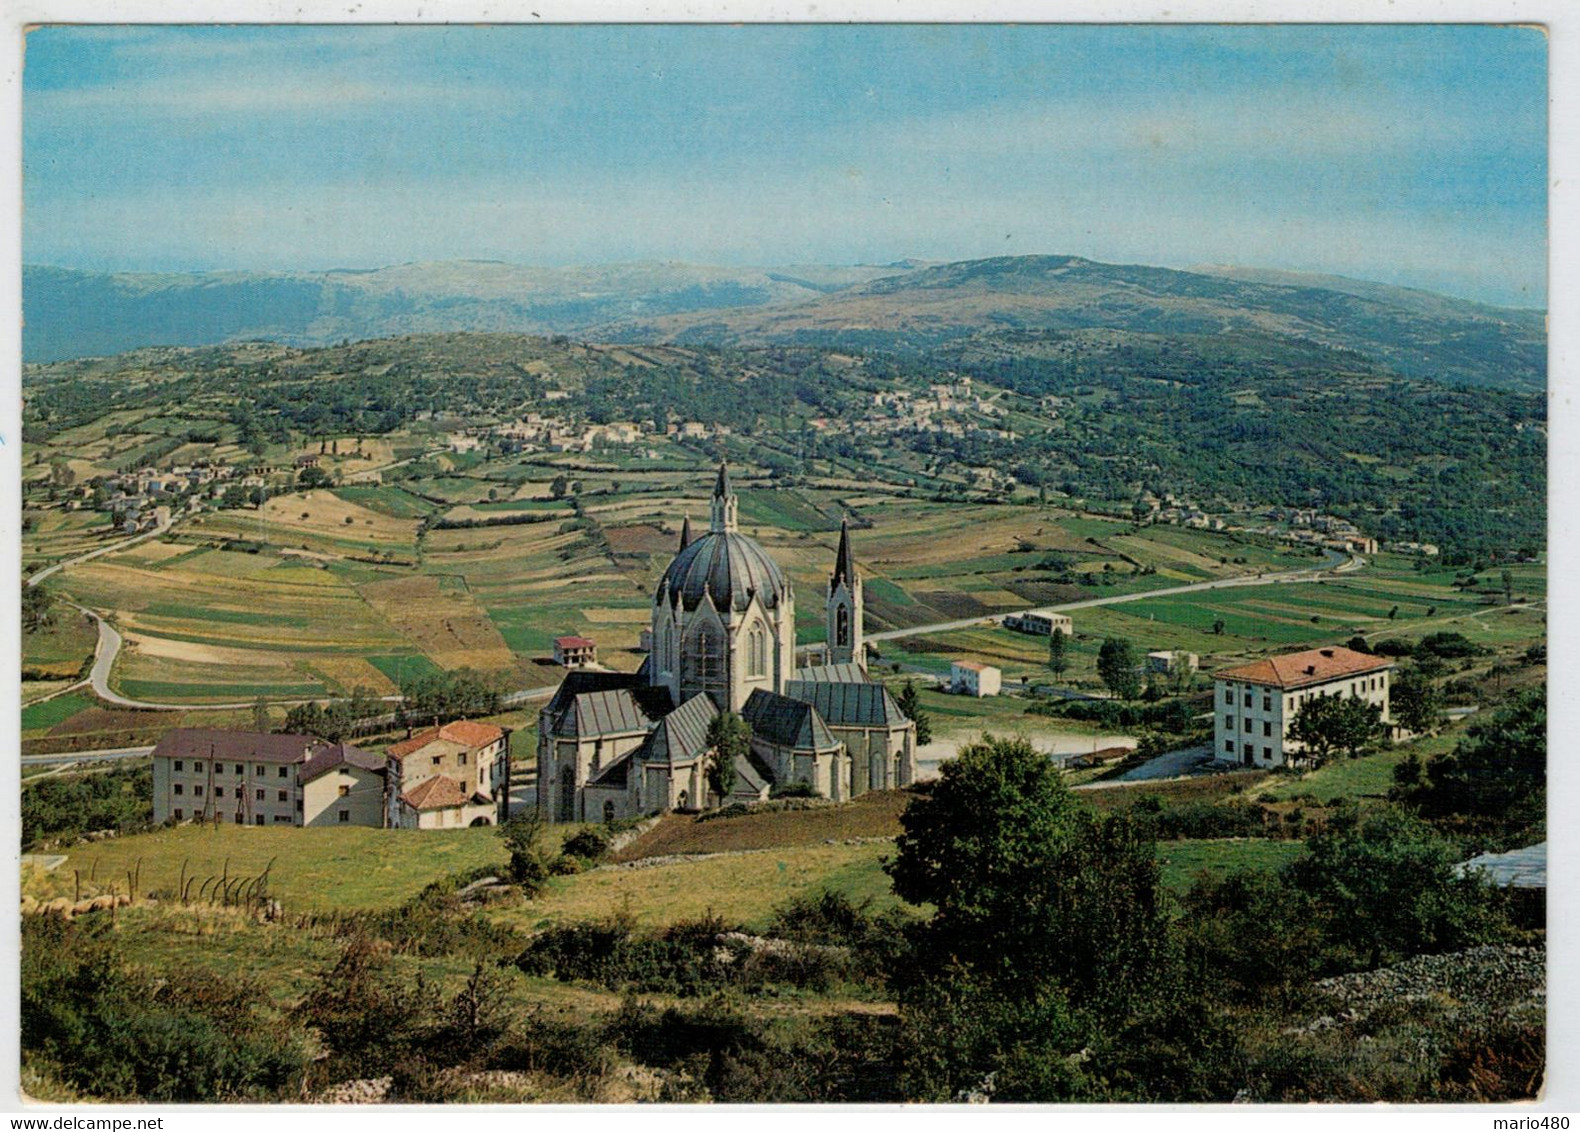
(260, 714)
(1328, 724)
(1498, 767)
(911, 704)
(1057, 660)
(1415, 701)
(37, 608)
(729, 738)
(1388, 887)
(558, 487)
(1217, 627)
(312, 477)
(1047, 923)
(1116, 664)
(529, 857)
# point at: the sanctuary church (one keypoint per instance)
(614, 745)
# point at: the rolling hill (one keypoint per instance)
(908, 307)
(1413, 332)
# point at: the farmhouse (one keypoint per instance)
(613, 745)
(1255, 703)
(1041, 622)
(969, 678)
(251, 778)
(575, 652)
(450, 776)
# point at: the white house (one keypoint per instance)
(972, 679)
(1041, 622)
(1255, 703)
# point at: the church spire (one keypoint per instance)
(844, 561)
(685, 533)
(724, 502)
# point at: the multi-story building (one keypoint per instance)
(969, 678)
(450, 776)
(1041, 622)
(253, 778)
(1254, 704)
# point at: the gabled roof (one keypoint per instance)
(575, 642)
(616, 773)
(846, 673)
(436, 793)
(615, 712)
(682, 735)
(752, 775)
(341, 754)
(466, 732)
(254, 746)
(580, 680)
(1304, 669)
(788, 723)
(848, 705)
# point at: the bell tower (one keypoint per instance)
(845, 643)
(724, 504)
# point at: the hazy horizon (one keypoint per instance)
(1412, 155)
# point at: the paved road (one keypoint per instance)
(111, 549)
(108, 754)
(1347, 566)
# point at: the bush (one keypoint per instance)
(114, 1033)
(590, 845)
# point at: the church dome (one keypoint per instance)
(729, 566)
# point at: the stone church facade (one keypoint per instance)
(614, 745)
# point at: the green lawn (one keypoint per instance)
(314, 869)
(1185, 861)
(41, 717)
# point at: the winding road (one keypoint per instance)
(1336, 564)
(108, 648)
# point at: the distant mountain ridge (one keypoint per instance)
(907, 305)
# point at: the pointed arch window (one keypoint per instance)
(756, 651)
(842, 626)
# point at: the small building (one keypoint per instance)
(1040, 622)
(1167, 662)
(575, 652)
(972, 679)
(307, 460)
(1255, 703)
(450, 776)
(255, 778)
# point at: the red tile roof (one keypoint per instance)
(464, 731)
(436, 793)
(1301, 669)
(575, 643)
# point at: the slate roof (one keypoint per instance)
(1303, 669)
(787, 723)
(752, 775)
(681, 735)
(605, 703)
(616, 773)
(847, 673)
(1518, 868)
(848, 705)
(615, 712)
(341, 754)
(728, 567)
(237, 746)
(466, 732)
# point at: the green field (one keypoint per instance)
(318, 870)
(41, 717)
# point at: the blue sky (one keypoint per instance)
(1407, 154)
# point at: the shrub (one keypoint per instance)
(591, 845)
